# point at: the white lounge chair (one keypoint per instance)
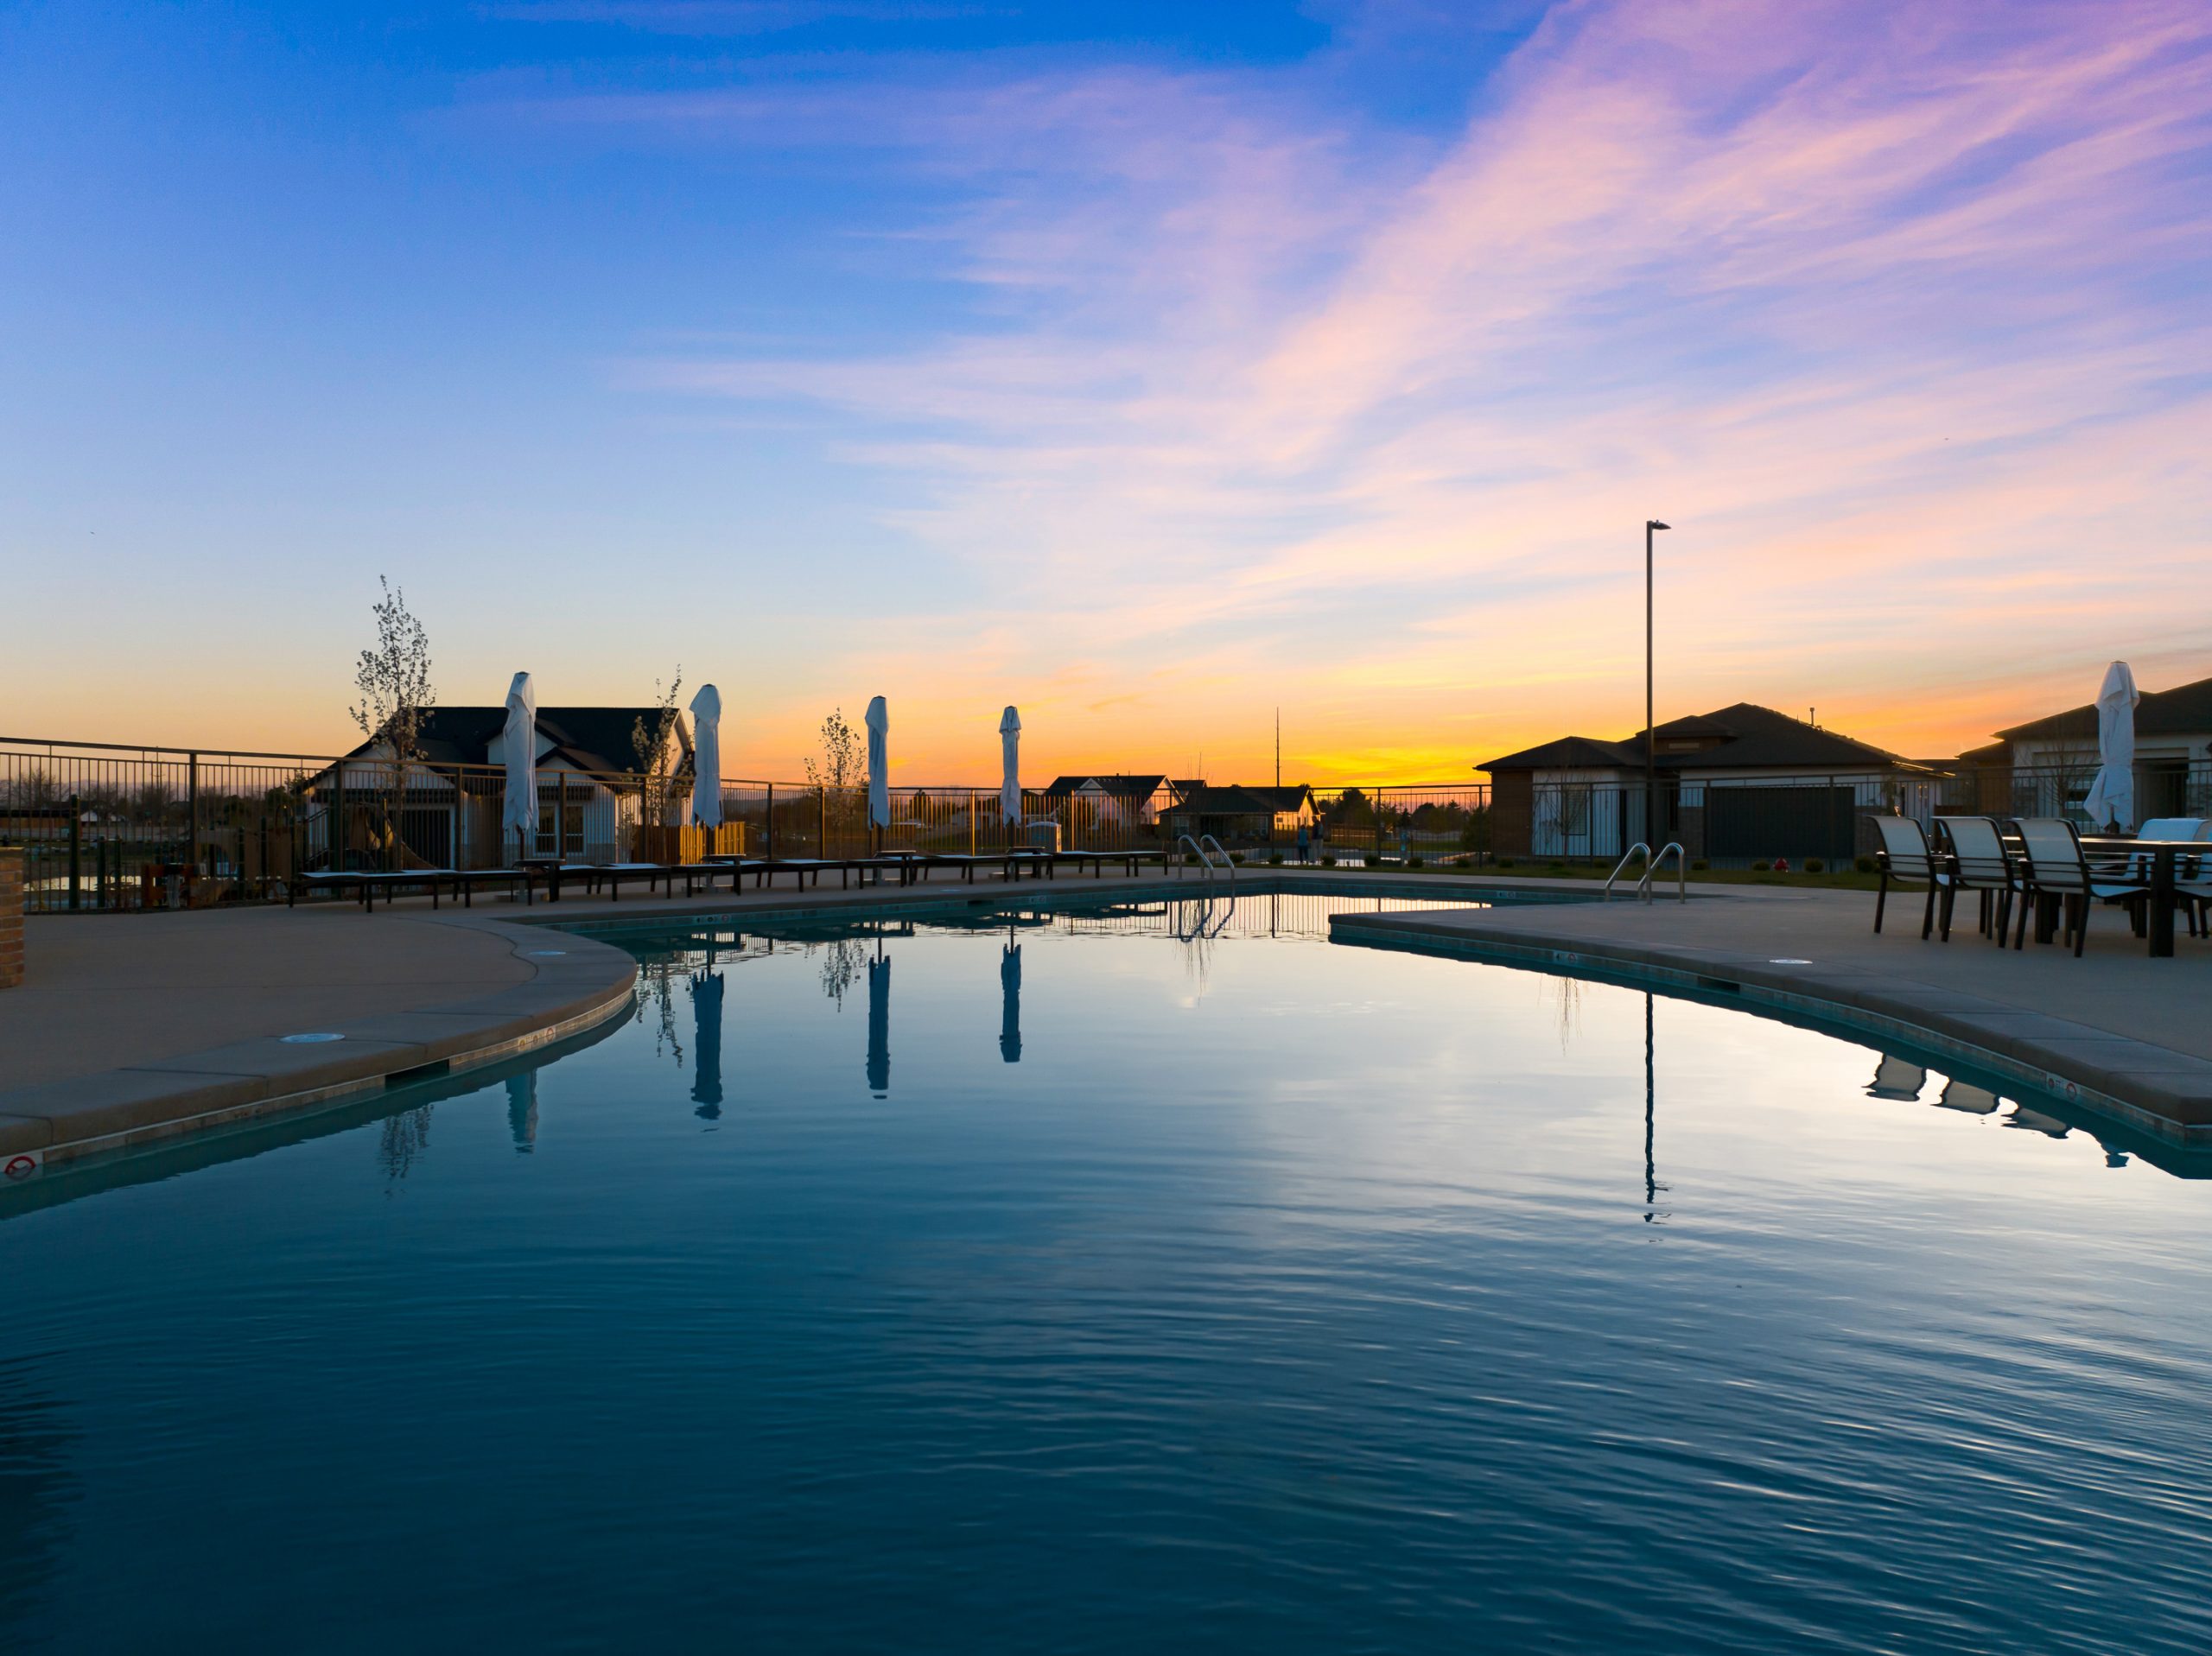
(2053, 865)
(1906, 858)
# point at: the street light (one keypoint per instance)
(1651, 525)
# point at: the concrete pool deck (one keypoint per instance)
(133, 1027)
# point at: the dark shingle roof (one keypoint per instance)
(1750, 738)
(1237, 799)
(2182, 711)
(591, 739)
(1121, 787)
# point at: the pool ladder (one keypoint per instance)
(1199, 850)
(1651, 866)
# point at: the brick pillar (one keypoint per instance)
(11, 919)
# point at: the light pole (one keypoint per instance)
(1651, 526)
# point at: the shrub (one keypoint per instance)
(1761, 866)
(1190, 859)
(1274, 858)
(1327, 861)
(1236, 856)
(1864, 864)
(1505, 862)
(1815, 865)
(1413, 862)
(1700, 865)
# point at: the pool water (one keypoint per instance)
(1154, 1277)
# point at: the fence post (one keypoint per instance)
(824, 842)
(333, 819)
(192, 794)
(76, 854)
(768, 827)
(561, 828)
(971, 821)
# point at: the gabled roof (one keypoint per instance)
(1236, 799)
(1743, 737)
(589, 738)
(1121, 787)
(1568, 753)
(2185, 710)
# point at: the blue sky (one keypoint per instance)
(1145, 365)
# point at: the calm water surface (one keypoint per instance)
(1074, 1284)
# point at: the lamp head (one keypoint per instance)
(1653, 523)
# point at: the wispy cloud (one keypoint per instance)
(1895, 310)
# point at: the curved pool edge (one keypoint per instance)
(583, 986)
(2150, 1089)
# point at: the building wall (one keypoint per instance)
(11, 919)
(1512, 796)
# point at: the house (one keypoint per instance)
(1740, 782)
(1102, 800)
(593, 789)
(1237, 812)
(2043, 768)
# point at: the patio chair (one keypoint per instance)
(1906, 858)
(1977, 862)
(2054, 867)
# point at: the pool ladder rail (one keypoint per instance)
(1651, 866)
(1199, 850)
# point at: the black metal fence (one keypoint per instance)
(108, 826)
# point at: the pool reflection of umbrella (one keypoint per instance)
(879, 1027)
(522, 1110)
(707, 1044)
(1010, 1003)
(1896, 1077)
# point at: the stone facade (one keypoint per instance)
(11, 919)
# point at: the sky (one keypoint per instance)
(1153, 367)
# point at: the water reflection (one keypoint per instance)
(521, 1111)
(879, 1023)
(707, 1041)
(1965, 1095)
(403, 1140)
(1010, 1001)
(1651, 1185)
(1899, 1078)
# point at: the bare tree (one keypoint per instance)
(654, 743)
(394, 680)
(844, 762)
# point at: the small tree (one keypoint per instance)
(654, 743)
(844, 762)
(839, 773)
(394, 680)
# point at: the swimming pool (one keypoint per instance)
(1141, 1274)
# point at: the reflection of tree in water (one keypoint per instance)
(36, 1489)
(844, 959)
(659, 985)
(405, 1140)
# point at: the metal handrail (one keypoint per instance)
(1627, 857)
(1227, 861)
(1681, 872)
(1196, 850)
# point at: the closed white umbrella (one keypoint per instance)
(879, 764)
(707, 757)
(519, 747)
(2111, 797)
(1010, 788)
